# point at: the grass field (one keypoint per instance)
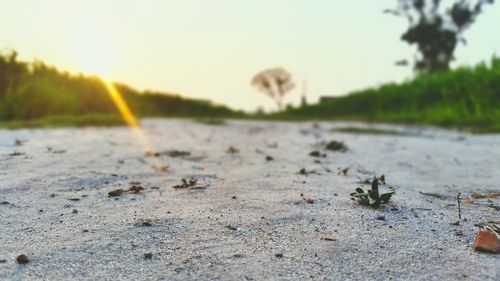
(34, 95)
(465, 98)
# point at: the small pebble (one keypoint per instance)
(148, 256)
(22, 259)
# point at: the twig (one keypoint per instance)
(458, 202)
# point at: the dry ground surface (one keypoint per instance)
(247, 217)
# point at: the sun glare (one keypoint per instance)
(93, 50)
(127, 114)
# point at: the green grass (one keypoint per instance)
(35, 94)
(465, 98)
(89, 120)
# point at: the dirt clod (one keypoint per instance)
(22, 259)
(336, 146)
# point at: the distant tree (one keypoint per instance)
(274, 82)
(436, 33)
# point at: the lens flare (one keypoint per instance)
(127, 114)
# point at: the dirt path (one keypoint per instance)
(248, 216)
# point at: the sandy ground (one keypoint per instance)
(251, 221)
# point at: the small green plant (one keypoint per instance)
(372, 197)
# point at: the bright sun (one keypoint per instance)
(92, 50)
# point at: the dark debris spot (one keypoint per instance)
(231, 227)
(317, 153)
(22, 259)
(336, 146)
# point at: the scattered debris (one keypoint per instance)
(380, 218)
(488, 238)
(477, 195)
(170, 153)
(160, 168)
(370, 131)
(74, 199)
(496, 207)
(278, 255)
(309, 200)
(148, 256)
(231, 227)
(191, 184)
(328, 238)
(22, 259)
(372, 197)
(269, 158)
(3, 261)
(344, 171)
(16, 153)
(116, 192)
(336, 146)
(232, 150)
(177, 153)
(317, 153)
(4, 203)
(436, 195)
(458, 203)
(305, 172)
(186, 184)
(134, 189)
(75, 211)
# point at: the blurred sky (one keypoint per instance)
(211, 48)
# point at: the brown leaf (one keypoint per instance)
(487, 241)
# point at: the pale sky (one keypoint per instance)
(210, 49)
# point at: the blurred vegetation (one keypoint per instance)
(34, 95)
(37, 94)
(435, 32)
(467, 97)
